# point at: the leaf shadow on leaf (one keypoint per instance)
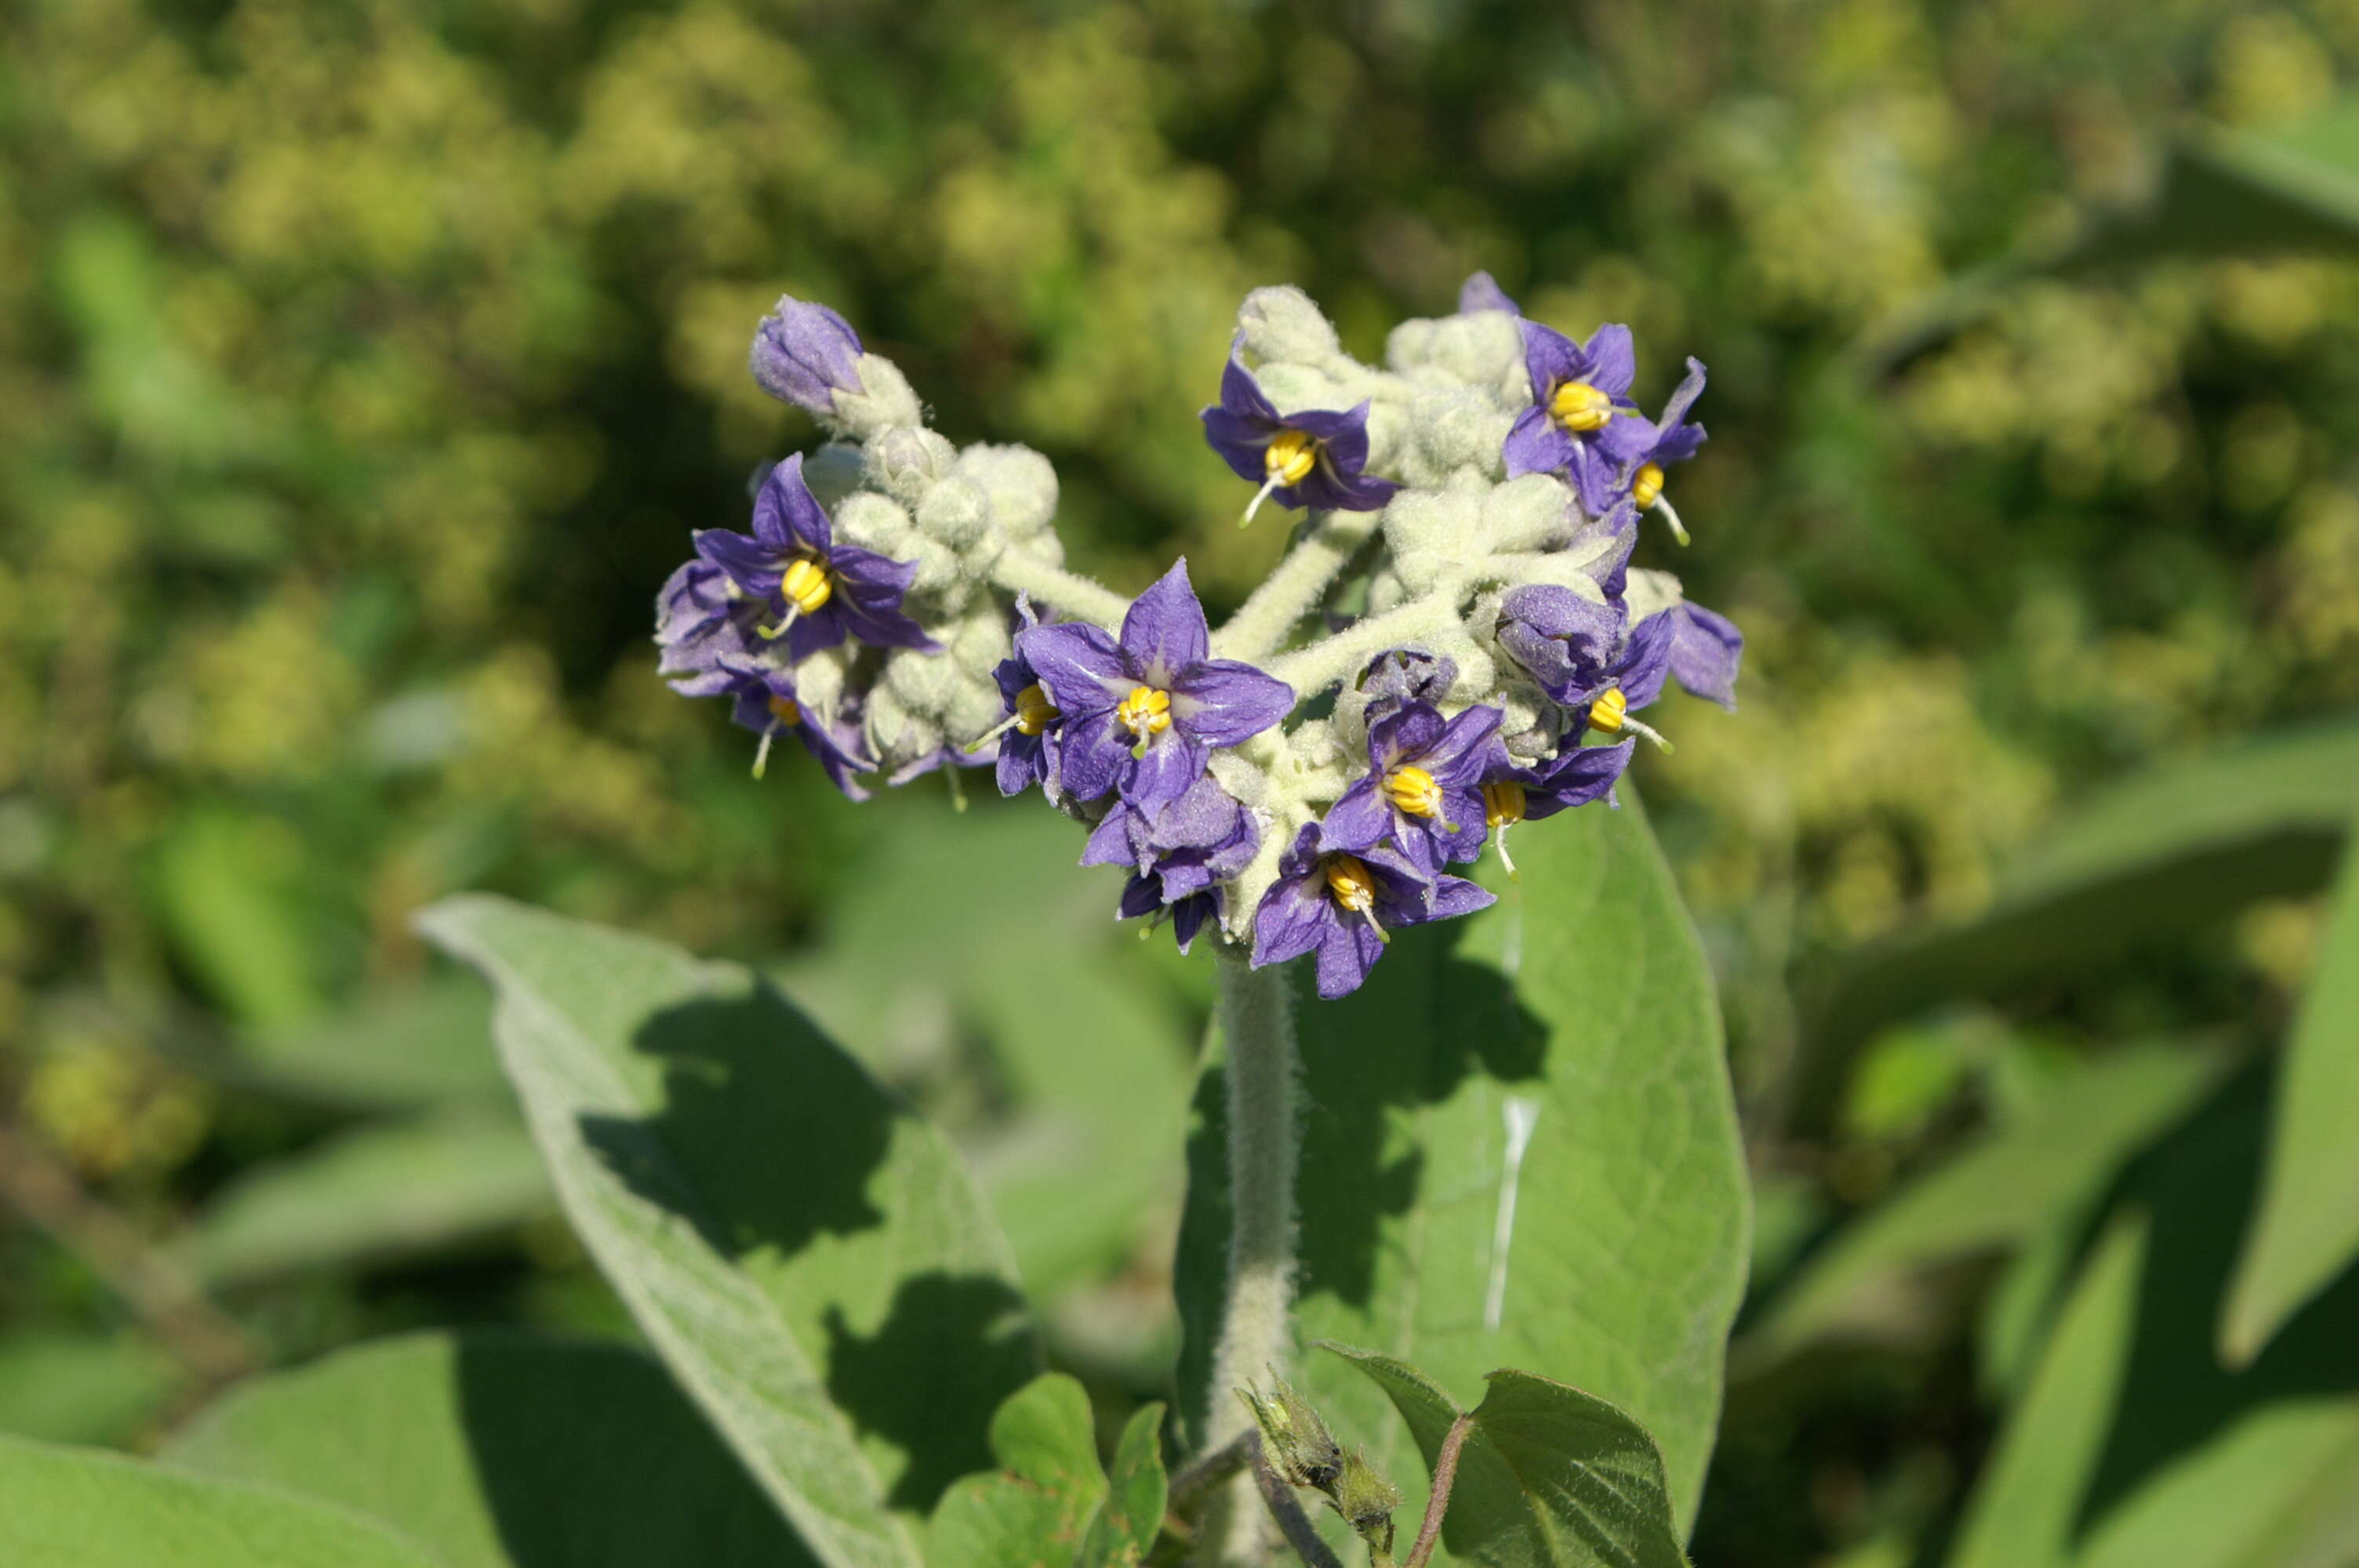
(2198, 1186)
(971, 1322)
(769, 1138)
(545, 1490)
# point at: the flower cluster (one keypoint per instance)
(901, 606)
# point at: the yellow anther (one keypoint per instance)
(1503, 803)
(806, 585)
(1610, 711)
(1145, 711)
(1646, 485)
(1577, 406)
(1290, 457)
(1414, 791)
(1350, 883)
(786, 711)
(1033, 712)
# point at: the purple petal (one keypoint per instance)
(1336, 427)
(1481, 292)
(1241, 395)
(1172, 762)
(1164, 632)
(1110, 841)
(1456, 758)
(1291, 918)
(1403, 734)
(1609, 359)
(1188, 917)
(1706, 649)
(1454, 896)
(787, 516)
(1359, 820)
(804, 353)
(1079, 666)
(1683, 397)
(1142, 894)
(1647, 661)
(751, 565)
(1095, 753)
(1549, 357)
(1222, 702)
(1535, 444)
(1578, 776)
(1626, 438)
(1598, 480)
(1347, 951)
(1240, 440)
(1330, 490)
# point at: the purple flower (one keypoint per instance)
(1033, 732)
(1674, 441)
(1419, 791)
(1587, 656)
(765, 704)
(1706, 648)
(1574, 777)
(1481, 292)
(702, 620)
(804, 355)
(1342, 903)
(1176, 854)
(1312, 458)
(821, 591)
(1142, 716)
(1581, 419)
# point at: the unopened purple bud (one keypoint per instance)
(805, 353)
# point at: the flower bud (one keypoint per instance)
(1282, 326)
(1366, 1501)
(804, 355)
(1301, 1447)
(1021, 485)
(955, 512)
(908, 461)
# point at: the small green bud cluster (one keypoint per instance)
(1302, 1450)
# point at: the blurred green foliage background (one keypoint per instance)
(363, 368)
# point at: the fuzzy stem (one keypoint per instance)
(1437, 1501)
(1339, 657)
(1261, 624)
(1257, 1030)
(1068, 591)
(1287, 1509)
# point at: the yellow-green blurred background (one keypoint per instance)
(363, 368)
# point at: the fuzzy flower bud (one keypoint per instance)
(804, 355)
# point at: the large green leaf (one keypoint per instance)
(73, 1507)
(1051, 1502)
(82, 1387)
(387, 1191)
(1994, 1194)
(2307, 1229)
(811, 1259)
(2167, 850)
(1547, 1478)
(1627, 1252)
(2133, 1445)
(500, 1450)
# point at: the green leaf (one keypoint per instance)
(2171, 850)
(415, 1045)
(1627, 1252)
(79, 1387)
(500, 1450)
(75, 1507)
(1994, 1194)
(811, 1259)
(387, 1191)
(1132, 1515)
(1549, 1476)
(2133, 1443)
(222, 886)
(2307, 1229)
(1040, 1505)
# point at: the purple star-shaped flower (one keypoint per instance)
(1032, 735)
(804, 355)
(1577, 649)
(821, 591)
(701, 620)
(765, 704)
(1313, 458)
(1582, 416)
(1574, 777)
(1342, 902)
(1673, 440)
(1143, 715)
(1176, 854)
(1419, 791)
(1481, 292)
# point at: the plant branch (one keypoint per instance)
(1445, 1475)
(1068, 591)
(1339, 657)
(1257, 1030)
(1199, 1477)
(1292, 1522)
(1260, 626)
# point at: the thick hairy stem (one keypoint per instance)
(1068, 591)
(1260, 626)
(1339, 657)
(1257, 1030)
